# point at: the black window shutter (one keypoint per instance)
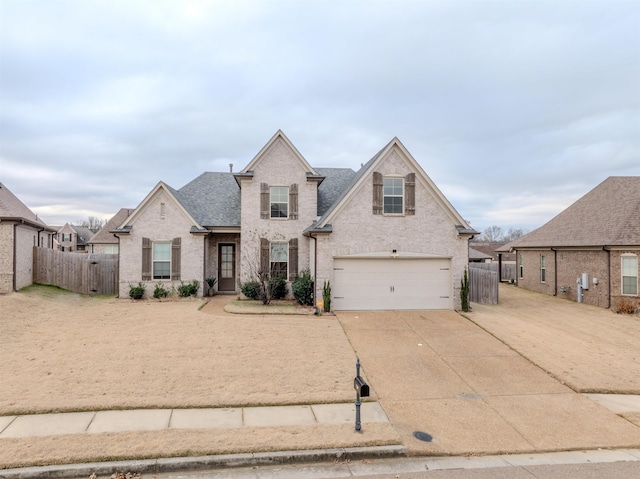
(377, 193)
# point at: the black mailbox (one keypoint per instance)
(360, 386)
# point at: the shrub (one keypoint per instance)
(464, 292)
(136, 292)
(251, 289)
(627, 306)
(160, 291)
(302, 288)
(188, 289)
(326, 296)
(277, 287)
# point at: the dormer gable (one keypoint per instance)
(276, 141)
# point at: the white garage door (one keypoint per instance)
(383, 284)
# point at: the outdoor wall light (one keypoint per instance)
(394, 254)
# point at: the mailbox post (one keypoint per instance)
(362, 389)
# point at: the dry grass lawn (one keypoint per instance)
(66, 352)
(61, 351)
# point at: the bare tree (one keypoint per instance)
(514, 233)
(93, 223)
(493, 234)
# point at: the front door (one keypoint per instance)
(226, 267)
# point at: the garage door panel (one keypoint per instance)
(369, 284)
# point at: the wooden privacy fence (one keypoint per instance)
(508, 269)
(79, 272)
(483, 285)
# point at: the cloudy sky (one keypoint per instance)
(514, 108)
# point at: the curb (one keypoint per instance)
(173, 464)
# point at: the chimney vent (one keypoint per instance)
(230, 167)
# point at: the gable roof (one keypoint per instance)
(127, 224)
(461, 225)
(608, 215)
(104, 235)
(279, 135)
(476, 254)
(11, 208)
(83, 234)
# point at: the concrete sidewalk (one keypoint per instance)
(97, 422)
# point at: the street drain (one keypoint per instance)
(422, 436)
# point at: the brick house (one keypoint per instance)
(73, 238)
(385, 236)
(20, 231)
(595, 240)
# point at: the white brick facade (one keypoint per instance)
(160, 223)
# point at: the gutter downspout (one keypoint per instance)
(609, 275)
(555, 271)
(315, 272)
(15, 256)
(118, 275)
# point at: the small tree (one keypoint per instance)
(464, 291)
(326, 296)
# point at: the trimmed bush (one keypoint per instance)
(302, 288)
(277, 287)
(188, 289)
(251, 289)
(160, 291)
(136, 292)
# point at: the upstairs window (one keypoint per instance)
(630, 275)
(393, 191)
(279, 199)
(162, 260)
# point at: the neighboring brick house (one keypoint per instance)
(598, 236)
(20, 231)
(385, 237)
(72, 238)
(104, 241)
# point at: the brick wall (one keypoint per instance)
(6, 257)
(619, 300)
(152, 224)
(357, 230)
(277, 167)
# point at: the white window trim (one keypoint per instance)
(271, 202)
(154, 261)
(521, 266)
(622, 276)
(543, 268)
(393, 177)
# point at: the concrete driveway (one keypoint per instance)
(439, 373)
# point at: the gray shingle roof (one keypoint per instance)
(105, 235)
(213, 199)
(333, 186)
(608, 215)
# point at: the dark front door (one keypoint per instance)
(227, 267)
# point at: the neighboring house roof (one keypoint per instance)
(83, 235)
(104, 235)
(11, 208)
(474, 254)
(608, 215)
(491, 249)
